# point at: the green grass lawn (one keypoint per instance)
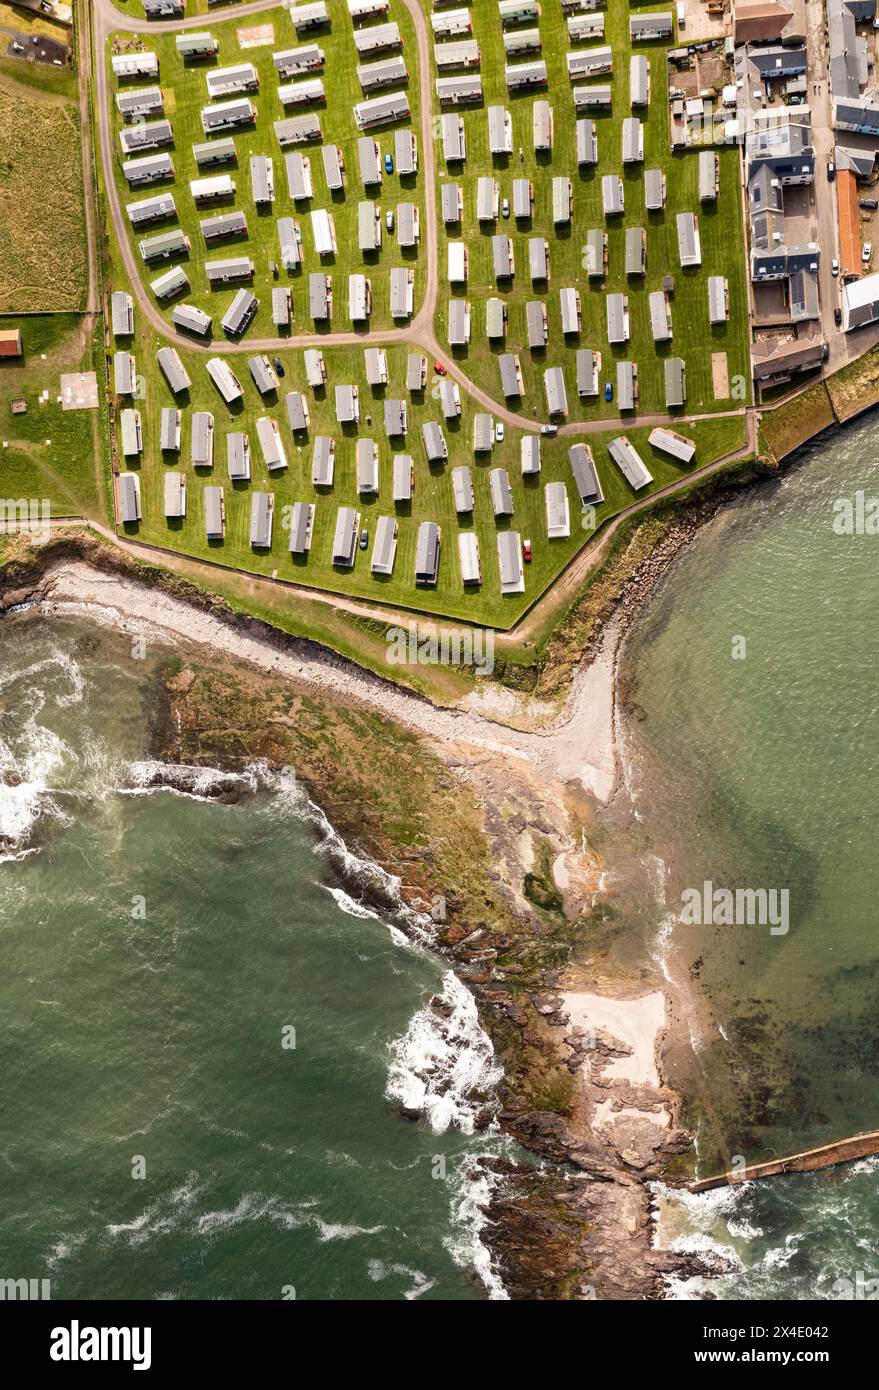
(185, 94)
(719, 225)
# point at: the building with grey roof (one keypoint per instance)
(227, 115)
(660, 316)
(558, 511)
(404, 471)
(297, 411)
(128, 489)
(459, 322)
(462, 489)
(174, 495)
(596, 95)
(169, 430)
(323, 461)
(542, 126)
(297, 130)
(173, 370)
(536, 324)
(239, 313)
(396, 417)
(639, 80)
(483, 433)
(647, 27)
(529, 455)
(402, 292)
(617, 306)
(387, 72)
(319, 295)
(416, 371)
(263, 374)
(238, 456)
(718, 299)
(633, 140)
(146, 135)
(214, 152)
(347, 398)
(555, 390)
(511, 375)
(149, 168)
(214, 513)
(689, 242)
(590, 62)
(122, 314)
(366, 461)
(629, 462)
(131, 432)
(585, 475)
(124, 373)
(201, 446)
(677, 446)
(523, 198)
(163, 246)
(224, 379)
(427, 553)
(588, 366)
(301, 527)
(612, 195)
(262, 511)
(509, 557)
(228, 270)
(654, 190)
(384, 547)
(345, 537)
(381, 110)
(223, 226)
(675, 382)
(435, 446)
(627, 385)
(587, 142)
(501, 492)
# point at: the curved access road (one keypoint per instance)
(420, 332)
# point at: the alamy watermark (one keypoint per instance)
(856, 516)
(736, 907)
(28, 516)
(442, 646)
(25, 1290)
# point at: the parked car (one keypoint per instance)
(505, 208)
(439, 369)
(389, 163)
(867, 252)
(870, 204)
(837, 316)
(831, 171)
(526, 552)
(834, 266)
(499, 431)
(279, 366)
(549, 429)
(608, 390)
(18, 48)
(364, 538)
(389, 219)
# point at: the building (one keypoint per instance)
(612, 195)
(128, 65)
(197, 45)
(214, 152)
(556, 393)
(629, 462)
(435, 446)
(718, 299)
(677, 446)
(639, 80)
(263, 374)
(213, 189)
(558, 511)
(238, 456)
(416, 371)
(124, 374)
(175, 496)
(239, 314)
(281, 306)
(295, 62)
(647, 27)
(366, 455)
(617, 307)
(860, 303)
(569, 303)
(148, 135)
(396, 417)
(597, 94)
(301, 527)
(654, 190)
(289, 242)
(345, 537)
(487, 199)
(596, 253)
(468, 557)
(323, 229)
(299, 181)
(689, 244)
(262, 179)
(223, 227)
(262, 511)
(529, 455)
(627, 385)
(633, 141)
(334, 167)
(483, 433)
(408, 225)
(128, 490)
(462, 489)
(709, 176)
(375, 362)
(320, 288)
(562, 201)
(582, 28)
(298, 417)
(523, 198)
(201, 447)
(459, 322)
(297, 130)
(452, 203)
(130, 432)
(163, 246)
(536, 324)
(359, 298)
(675, 382)
(590, 62)
(225, 82)
(151, 168)
(380, 110)
(585, 475)
(315, 368)
(449, 399)
(121, 318)
(501, 493)
(323, 461)
(587, 142)
(511, 375)
(588, 365)
(520, 76)
(451, 56)
(140, 102)
(347, 404)
(509, 559)
(369, 227)
(384, 547)
(636, 251)
(388, 72)
(402, 292)
(404, 472)
(453, 139)
(228, 115)
(427, 553)
(542, 127)
(503, 263)
(224, 379)
(660, 316)
(378, 38)
(500, 130)
(306, 18)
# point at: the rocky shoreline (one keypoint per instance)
(579, 1226)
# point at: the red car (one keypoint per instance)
(439, 369)
(526, 551)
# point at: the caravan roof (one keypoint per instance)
(629, 462)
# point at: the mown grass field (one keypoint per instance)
(432, 500)
(42, 217)
(719, 224)
(185, 94)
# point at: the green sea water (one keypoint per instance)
(206, 1036)
(750, 719)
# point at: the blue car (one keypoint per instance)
(608, 391)
(389, 163)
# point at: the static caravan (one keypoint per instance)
(131, 432)
(556, 391)
(627, 385)
(718, 299)
(170, 282)
(294, 63)
(301, 527)
(191, 319)
(384, 547)
(636, 251)
(569, 303)
(529, 455)
(462, 489)
(468, 557)
(677, 446)
(587, 142)
(416, 371)
(639, 80)
(487, 199)
(214, 152)
(369, 161)
(359, 298)
(660, 316)
(281, 306)
(558, 511)
(323, 461)
(427, 553)
(537, 324)
(435, 446)
(369, 227)
(503, 262)
(632, 140)
(157, 209)
(451, 24)
(617, 306)
(511, 375)
(169, 429)
(675, 382)
(175, 496)
(509, 559)
(238, 456)
(562, 201)
(151, 168)
(596, 253)
(289, 242)
(163, 9)
(612, 195)
(239, 313)
(334, 167)
(452, 203)
(305, 18)
(589, 98)
(629, 462)
(588, 372)
(163, 246)
(459, 322)
(297, 130)
(347, 398)
(367, 9)
(146, 135)
(227, 115)
(522, 41)
(647, 27)
(214, 513)
(128, 65)
(378, 38)
(140, 102)
(262, 511)
(122, 314)
(198, 45)
(223, 227)
(201, 447)
(495, 318)
(585, 475)
(501, 493)
(654, 190)
(124, 373)
(591, 62)
(584, 28)
(404, 472)
(408, 225)
(212, 190)
(375, 366)
(129, 498)
(173, 370)
(483, 433)
(454, 56)
(450, 399)
(323, 228)
(709, 176)
(500, 130)
(320, 289)
(270, 443)
(523, 198)
(387, 72)
(396, 414)
(298, 416)
(226, 82)
(538, 259)
(315, 368)
(513, 12)
(224, 379)
(345, 537)
(309, 91)
(263, 373)
(262, 179)
(452, 134)
(366, 455)
(380, 110)
(542, 126)
(402, 292)
(689, 243)
(520, 76)
(405, 153)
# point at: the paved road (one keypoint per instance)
(420, 332)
